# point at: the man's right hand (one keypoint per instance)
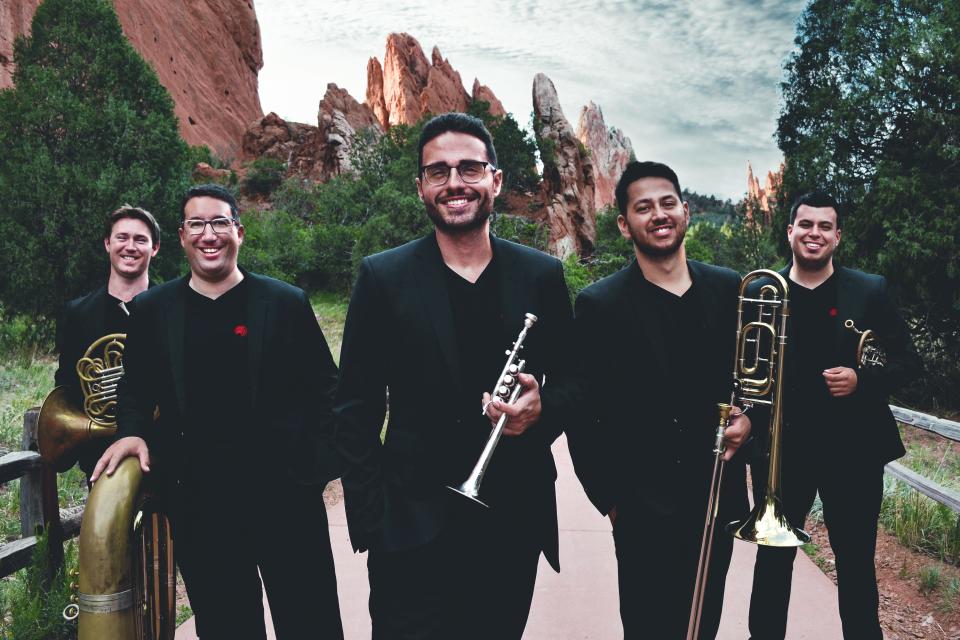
(115, 454)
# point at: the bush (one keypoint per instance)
(263, 176)
(86, 127)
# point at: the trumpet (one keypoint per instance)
(507, 389)
(869, 351)
(757, 380)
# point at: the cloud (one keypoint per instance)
(696, 79)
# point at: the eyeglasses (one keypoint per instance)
(195, 226)
(470, 171)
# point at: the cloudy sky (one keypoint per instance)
(693, 83)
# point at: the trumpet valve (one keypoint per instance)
(513, 369)
(503, 391)
(507, 380)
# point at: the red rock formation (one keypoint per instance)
(568, 184)
(15, 17)
(444, 91)
(206, 53)
(289, 142)
(763, 200)
(405, 71)
(340, 118)
(484, 93)
(409, 86)
(610, 151)
(375, 99)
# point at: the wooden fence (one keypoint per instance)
(39, 505)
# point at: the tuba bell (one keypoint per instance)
(63, 427)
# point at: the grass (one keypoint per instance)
(917, 521)
(331, 310)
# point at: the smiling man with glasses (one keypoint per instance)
(244, 382)
(430, 321)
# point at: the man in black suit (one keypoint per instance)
(656, 342)
(429, 321)
(244, 383)
(839, 409)
(131, 239)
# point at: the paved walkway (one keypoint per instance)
(581, 602)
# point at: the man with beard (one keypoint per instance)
(829, 397)
(656, 346)
(429, 322)
(243, 379)
(131, 239)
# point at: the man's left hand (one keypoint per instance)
(735, 434)
(522, 413)
(841, 381)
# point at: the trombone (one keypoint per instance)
(757, 380)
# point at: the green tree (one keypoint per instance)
(870, 113)
(86, 127)
(516, 150)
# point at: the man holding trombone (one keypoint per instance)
(656, 346)
(428, 322)
(837, 383)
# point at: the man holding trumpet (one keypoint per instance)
(656, 343)
(428, 323)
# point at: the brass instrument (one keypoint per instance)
(507, 389)
(127, 581)
(757, 380)
(869, 351)
(62, 427)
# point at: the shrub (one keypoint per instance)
(263, 176)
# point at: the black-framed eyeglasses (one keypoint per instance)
(470, 171)
(195, 226)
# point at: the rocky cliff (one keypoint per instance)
(610, 151)
(206, 53)
(568, 184)
(762, 198)
(408, 86)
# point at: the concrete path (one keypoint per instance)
(581, 603)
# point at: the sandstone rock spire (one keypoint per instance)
(610, 151)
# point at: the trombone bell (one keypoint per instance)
(768, 526)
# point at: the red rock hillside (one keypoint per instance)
(206, 53)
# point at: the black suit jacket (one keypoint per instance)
(82, 323)
(630, 446)
(865, 429)
(291, 377)
(399, 336)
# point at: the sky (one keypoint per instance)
(693, 83)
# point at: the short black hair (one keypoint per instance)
(137, 213)
(210, 191)
(637, 170)
(458, 123)
(817, 199)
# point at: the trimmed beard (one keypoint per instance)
(484, 210)
(661, 252)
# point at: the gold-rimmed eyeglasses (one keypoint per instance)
(470, 171)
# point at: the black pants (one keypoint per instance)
(657, 566)
(474, 582)
(286, 538)
(851, 495)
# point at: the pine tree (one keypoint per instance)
(86, 128)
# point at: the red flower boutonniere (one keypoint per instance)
(833, 312)
(241, 330)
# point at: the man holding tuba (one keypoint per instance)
(830, 398)
(244, 382)
(430, 321)
(131, 239)
(656, 343)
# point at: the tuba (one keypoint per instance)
(869, 352)
(127, 582)
(757, 380)
(62, 427)
(508, 389)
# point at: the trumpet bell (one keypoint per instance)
(471, 491)
(767, 526)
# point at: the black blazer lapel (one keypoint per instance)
(514, 293)
(851, 305)
(257, 311)
(176, 320)
(432, 289)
